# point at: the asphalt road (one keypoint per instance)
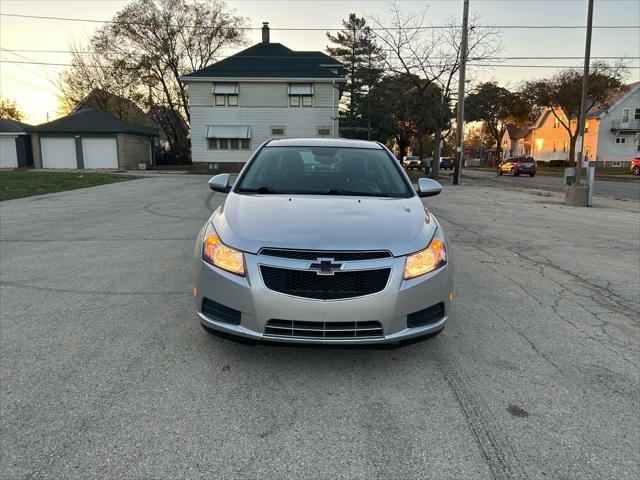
(105, 372)
(609, 188)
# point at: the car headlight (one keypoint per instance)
(427, 260)
(217, 253)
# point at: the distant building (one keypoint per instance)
(517, 141)
(92, 139)
(612, 135)
(266, 91)
(15, 144)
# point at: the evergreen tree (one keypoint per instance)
(362, 57)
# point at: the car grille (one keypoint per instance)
(327, 330)
(315, 254)
(308, 284)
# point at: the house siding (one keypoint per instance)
(260, 94)
(608, 150)
(298, 122)
(133, 150)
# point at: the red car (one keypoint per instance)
(635, 165)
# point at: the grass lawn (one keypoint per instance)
(25, 183)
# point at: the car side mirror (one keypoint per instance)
(220, 183)
(428, 187)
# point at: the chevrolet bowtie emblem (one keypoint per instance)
(325, 266)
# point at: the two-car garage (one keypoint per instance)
(92, 139)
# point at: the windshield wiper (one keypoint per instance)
(257, 190)
(337, 191)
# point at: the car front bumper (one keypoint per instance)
(257, 304)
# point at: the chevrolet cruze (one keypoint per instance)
(323, 241)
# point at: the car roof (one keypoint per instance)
(324, 142)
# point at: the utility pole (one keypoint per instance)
(576, 194)
(461, 83)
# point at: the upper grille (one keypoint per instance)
(308, 284)
(315, 254)
(328, 330)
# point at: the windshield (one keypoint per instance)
(324, 171)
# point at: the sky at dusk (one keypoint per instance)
(33, 86)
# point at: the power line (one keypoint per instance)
(496, 65)
(604, 57)
(303, 29)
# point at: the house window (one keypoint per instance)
(301, 94)
(323, 131)
(565, 147)
(225, 94)
(621, 140)
(625, 115)
(554, 145)
(615, 164)
(278, 131)
(556, 122)
(228, 143)
(587, 152)
(226, 100)
(586, 127)
(636, 114)
(228, 137)
(301, 100)
(638, 145)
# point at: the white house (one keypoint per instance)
(15, 144)
(619, 129)
(265, 91)
(516, 141)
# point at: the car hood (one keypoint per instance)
(323, 222)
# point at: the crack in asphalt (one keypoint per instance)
(612, 301)
(90, 292)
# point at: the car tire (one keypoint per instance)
(636, 170)
(532, 174)
(515, 173)
(499, 171)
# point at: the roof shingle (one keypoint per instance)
(271, 60)
(92, 121)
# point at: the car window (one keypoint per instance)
(325, 171)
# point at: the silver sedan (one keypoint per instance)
(323, 241)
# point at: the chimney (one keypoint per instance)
(265, 32)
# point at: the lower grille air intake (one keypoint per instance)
(430, 315)
(323, 330)
(219, 312)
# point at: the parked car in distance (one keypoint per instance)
(446, 163)
(635, 165)
(518, 165)
(303, 255)
(411, 162)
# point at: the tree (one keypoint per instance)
(357, 49)
(561, 95)
(9, 109)
(434, 58)
(142, 53)
(496, 107)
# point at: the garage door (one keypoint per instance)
(100, 152)
(59, 152)
(8, 155)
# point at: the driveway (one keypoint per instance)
(629, 189)
(105, 372)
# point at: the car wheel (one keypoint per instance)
(499, 171)
(515, 173)
(636, 170)
(532, 174)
